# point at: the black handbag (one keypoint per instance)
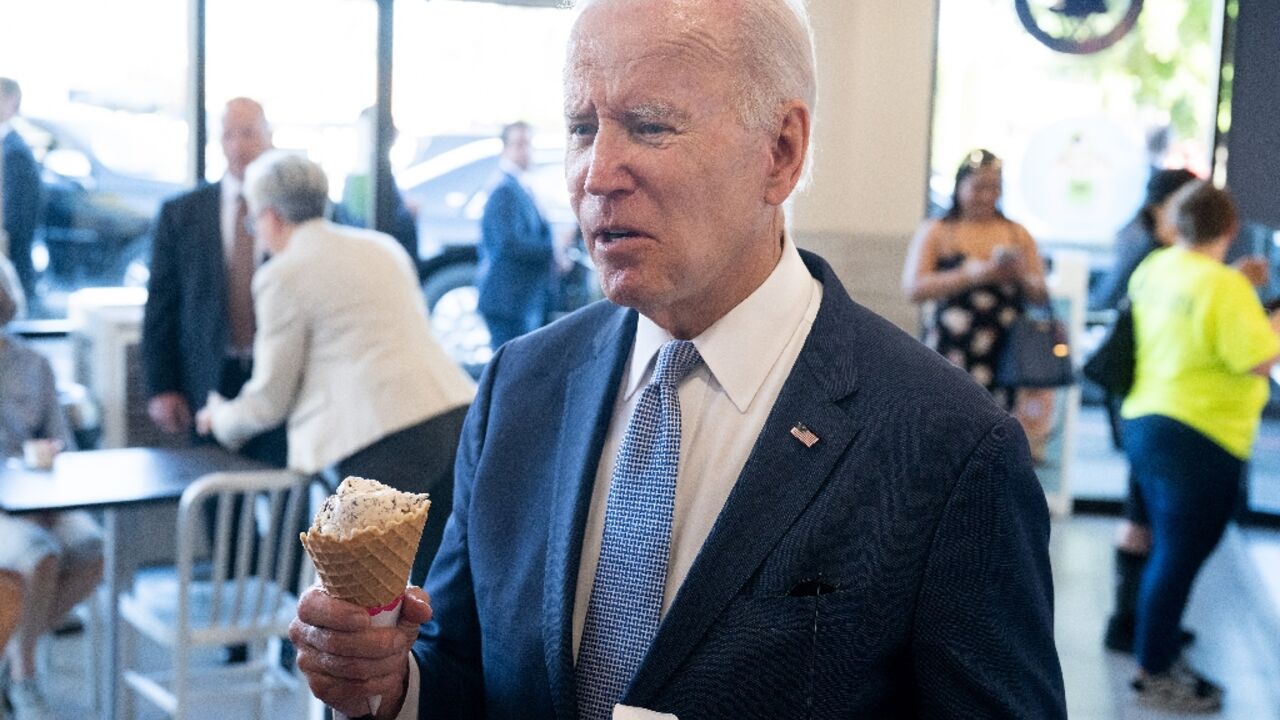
(1036, 354)
(1111, 365)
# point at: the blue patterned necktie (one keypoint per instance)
(626, 596)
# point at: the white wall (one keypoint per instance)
(871, 144)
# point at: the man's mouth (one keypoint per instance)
(615, 234)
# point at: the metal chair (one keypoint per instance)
(245, 601)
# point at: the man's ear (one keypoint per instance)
(788, 150)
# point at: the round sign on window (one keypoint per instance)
(1080, 180)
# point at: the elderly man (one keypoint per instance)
(344, 350)
(197, 334)
(728, 492)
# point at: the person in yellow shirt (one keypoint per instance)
(1204, 348)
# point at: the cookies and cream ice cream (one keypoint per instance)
(363, 541)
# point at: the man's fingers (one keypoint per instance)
(320, 609)
(370, 644)
(417, 607)
(356, 669)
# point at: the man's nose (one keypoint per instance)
(608, 169)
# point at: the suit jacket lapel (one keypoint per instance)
(214, 266)
(778, 482)
(590, 392)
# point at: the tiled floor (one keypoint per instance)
(1237, 641)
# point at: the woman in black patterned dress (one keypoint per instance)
(978, 269)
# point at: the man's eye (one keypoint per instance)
(652, 129)
(581, 129)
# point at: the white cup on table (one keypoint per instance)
(38, 454)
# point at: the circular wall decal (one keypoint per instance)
(1079, 27)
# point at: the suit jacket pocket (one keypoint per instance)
(807, 654)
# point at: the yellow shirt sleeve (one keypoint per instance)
(1242, 335)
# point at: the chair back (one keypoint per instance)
(257, 517)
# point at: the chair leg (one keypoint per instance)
(127, 701)
(181, 678)
(93, 646)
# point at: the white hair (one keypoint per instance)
(292, 185)
(773, 42)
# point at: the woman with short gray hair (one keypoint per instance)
(343, 350)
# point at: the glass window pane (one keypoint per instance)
(104, 115)
(1079, 133)
(462, 71)
(313, 79)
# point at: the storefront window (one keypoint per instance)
(103, 110)
(1079, 133)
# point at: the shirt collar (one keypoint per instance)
(742, 347)
(510, 168)
(6, 127)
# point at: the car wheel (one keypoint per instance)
(452, 302)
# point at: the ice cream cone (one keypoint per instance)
(366, 561)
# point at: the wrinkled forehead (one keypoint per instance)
(621, 37)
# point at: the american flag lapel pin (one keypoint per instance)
(804, 435)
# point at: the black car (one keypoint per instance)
(96, 222)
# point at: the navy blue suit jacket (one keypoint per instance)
(184, 331)
(22, 192)
(898, 568)
(516, 255)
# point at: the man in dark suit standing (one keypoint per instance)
(19, 188)
(517, 259)
(198, 330)
(729, 491)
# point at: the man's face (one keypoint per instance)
(666, 182)
(518, 148)
(244, 135)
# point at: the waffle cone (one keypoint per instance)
(369, 566)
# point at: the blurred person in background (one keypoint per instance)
(975, 270)
(57, 555)
(978, 268)
(1204, 348)
(343, 352)
(197, 334)
(1151, 229)
(20, 189)
(1148, 230)
(517, 256)
(357, 190)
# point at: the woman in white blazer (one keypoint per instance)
(343, 352)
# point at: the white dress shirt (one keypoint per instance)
(747, 356)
